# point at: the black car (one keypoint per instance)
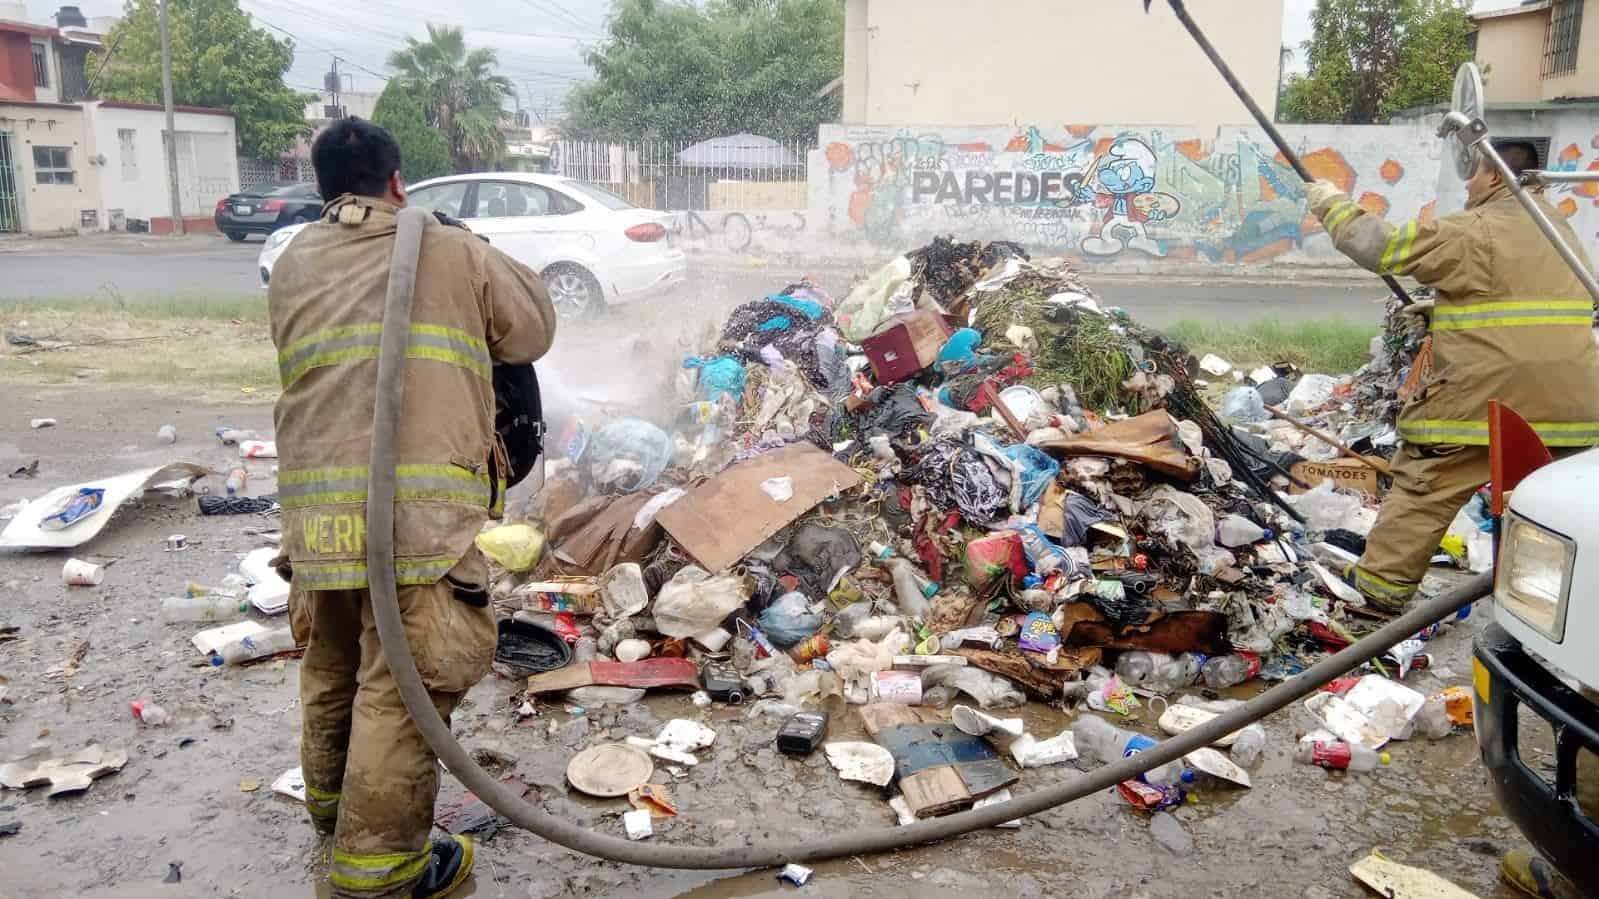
(263, 210)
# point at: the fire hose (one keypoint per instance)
(402, 665)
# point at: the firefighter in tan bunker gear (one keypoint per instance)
(370, 778)
(1511, 322)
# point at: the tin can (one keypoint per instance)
(177, 542)
(812, 647)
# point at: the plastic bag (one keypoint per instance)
(867, 305)
(623, 592)
(693, 602)
(789, 620)
(628, 454)
(514, 547)
(994, 555)
(1312, 392)
(721, 376)
(990, 690)
(1184, 519)
(1326, 509)
(1243, 404)
(1035, 469)
(856, 660)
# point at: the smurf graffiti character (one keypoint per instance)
(1122, 183)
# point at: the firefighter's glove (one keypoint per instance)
(1422, 309)
(1319, 192)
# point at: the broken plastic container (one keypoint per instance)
(622, 591)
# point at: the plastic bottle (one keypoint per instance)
(236, 481)
(1339, 756)
(1138, 666)
(1108, 743)
(1249, 745)
(210, 607)
(149, 713)
(1236, 530)
(1226, 671)
(248, 649)
(1433, 721)
(907, 591)
(231, 436)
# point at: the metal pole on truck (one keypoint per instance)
(1261, 118)
(172, 130)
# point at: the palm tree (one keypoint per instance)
(460, 93)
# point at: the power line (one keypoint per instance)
(550, 8)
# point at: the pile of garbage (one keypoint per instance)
(966, 483)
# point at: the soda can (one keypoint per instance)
(1430, 631)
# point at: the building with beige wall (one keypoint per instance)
(954, 62)
(1540, 50)
(46, 183)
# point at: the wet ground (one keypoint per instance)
(179, 798)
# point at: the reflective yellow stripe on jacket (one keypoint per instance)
(352, 575)
(1513, 314)
(325, 486)
(378, 873)
(333, 346)
(1475, 433)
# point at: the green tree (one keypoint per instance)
(673, 70)
(460, 93)
(424, 152)
(218, 59)
(1371, 58)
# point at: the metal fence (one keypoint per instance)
(263, 172)
(680, 176)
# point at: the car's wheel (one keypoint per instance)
(235, 236)
(573, 291)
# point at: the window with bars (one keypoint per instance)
(41, 65)
(1561, 37)
(53, 165)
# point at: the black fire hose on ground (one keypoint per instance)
(397, 652)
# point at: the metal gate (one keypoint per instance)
(10, 208)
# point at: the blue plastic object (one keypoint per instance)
(723, 375)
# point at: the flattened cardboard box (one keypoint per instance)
(1342, 472)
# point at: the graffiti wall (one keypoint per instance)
(1105, 193)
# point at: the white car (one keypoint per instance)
(593, 248)
(273, 248)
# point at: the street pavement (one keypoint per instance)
(141, 269)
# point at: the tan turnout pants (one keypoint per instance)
(370, 778)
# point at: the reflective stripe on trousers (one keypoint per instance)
(333, 346)
(325, 486)
(377, 873)
(1475, 433)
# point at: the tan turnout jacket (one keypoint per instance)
(1512, 322)
(474, 306)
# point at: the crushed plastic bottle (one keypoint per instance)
(1339, 756)
(209, 607)
(1101, 740)
(1226, 671)
(149, 713)
(248, 649)
(908, 588)
(1249, 745)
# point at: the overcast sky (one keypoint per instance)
(540, 42)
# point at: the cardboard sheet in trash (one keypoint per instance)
(1390, 878)
(940, 769)
(1030, 671)
(664, 672)
(1342, 472)
(1172, 632)
(723, 518)
(597, 533)
(1149, 439)
(24, 532)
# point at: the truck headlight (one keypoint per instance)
(1534, 576)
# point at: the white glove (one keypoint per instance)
(1319, 192)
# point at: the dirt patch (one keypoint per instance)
(204, 359)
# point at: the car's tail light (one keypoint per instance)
(222, 204)
(272, 206)
(646, 233)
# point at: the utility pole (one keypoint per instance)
(334, 86)
(172, 128)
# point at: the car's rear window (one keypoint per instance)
(289, 190)
(598, 194)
